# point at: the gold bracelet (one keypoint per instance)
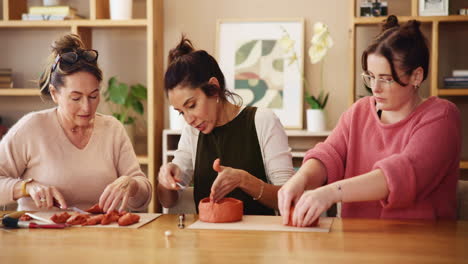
(24, 192)
(261, 192)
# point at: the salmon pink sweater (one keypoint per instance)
(419, 157)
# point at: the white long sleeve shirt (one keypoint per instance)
(273, 141)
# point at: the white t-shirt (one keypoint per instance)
(272, 138)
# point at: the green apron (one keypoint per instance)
(236, 144)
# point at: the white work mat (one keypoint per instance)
(144, 219)
(263, 223)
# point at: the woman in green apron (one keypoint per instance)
(225, 149)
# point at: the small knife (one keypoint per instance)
(73, 208)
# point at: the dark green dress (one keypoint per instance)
(236, 144)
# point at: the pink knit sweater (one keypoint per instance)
(419, 157)
(37, 147)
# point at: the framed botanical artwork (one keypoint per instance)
(433, 7)
(252, 58)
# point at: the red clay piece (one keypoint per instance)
(128, 219)
(225, 211)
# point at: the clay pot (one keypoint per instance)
(225, 211)
(291, 212)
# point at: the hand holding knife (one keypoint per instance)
(73, 208)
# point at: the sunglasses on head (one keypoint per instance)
(73, 56)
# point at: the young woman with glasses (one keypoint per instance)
(227, 150)
(393, 154)
(70, 155)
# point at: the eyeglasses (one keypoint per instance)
(73, 56)
(370, 81)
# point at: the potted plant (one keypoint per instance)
(126, 101)
(320, 43)
(315, 115)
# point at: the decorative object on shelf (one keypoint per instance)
(463, 11)
(374, 8)
(321, 42)
(121, 9)
(53, 12)
(176, 120)
(51, 2)
(250, 56)
(3, 129)
(126, 99)
(460, 73)
(6, 78)
(433, 7)
(316, 120)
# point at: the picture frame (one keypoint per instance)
(255, 67)
(433, 7)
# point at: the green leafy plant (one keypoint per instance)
(125, 99)
(316, 102)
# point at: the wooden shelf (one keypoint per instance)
(464, 164)
(74, 23)
(142, 159)
(172, 132)
(452, 92)
(423, 19)
(305, 133)
(19, 92)
(298, 154)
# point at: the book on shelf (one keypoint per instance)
(5, 78)
(456, 82)
(32, 17)
(6, 85)
(52, 10)
(460, 73)
(5, 71)
(456, 79)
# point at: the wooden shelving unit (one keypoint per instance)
(436, 73)
(150, 26)
(19, 92)
(464, 164)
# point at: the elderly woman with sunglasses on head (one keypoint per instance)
(70, 155)
(392, 155)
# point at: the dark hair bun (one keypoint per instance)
(412, 26)
(390, 22)
(185, 47)
(67, 43)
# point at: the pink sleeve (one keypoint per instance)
(128, 165)
(332, 152)
(433, 149)
(13, 162)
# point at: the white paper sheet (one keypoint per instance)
(144, 219)
(263, 223)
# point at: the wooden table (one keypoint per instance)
(349, 241)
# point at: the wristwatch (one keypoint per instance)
(24, 192)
